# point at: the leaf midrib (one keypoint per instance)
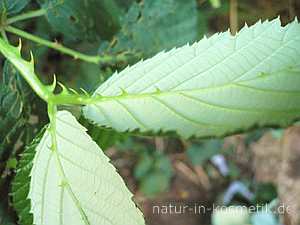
(101, 99)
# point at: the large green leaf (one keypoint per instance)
(21, 182)
(156, 25)
(12, 6)
(79, 20)
(72, 181)
(215, 86)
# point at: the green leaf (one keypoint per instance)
(14, 94)
(10, 122)
(154, 172)
(72, 181)
(21, 182)
(156, 25)
(155, 183)
(79, 20)
(12, 6)
(14, 80)
(105, 138)
(200, 154)
(143, 166)
(216, 86)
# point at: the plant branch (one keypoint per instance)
(77, 55)
(233, 16)
(28, 15)
(13, 54)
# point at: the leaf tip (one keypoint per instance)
(296, 19)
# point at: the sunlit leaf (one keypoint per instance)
(213, 87)
(72, 181)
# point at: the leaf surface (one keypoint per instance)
(14, 96)
(72, 181)
(155, 25)
(12, 6)
(216, 86)
(80, 20)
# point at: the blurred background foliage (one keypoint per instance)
(237, 170)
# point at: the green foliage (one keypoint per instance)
(14, 96)
(199, 154)
(9, 114)
(155, 25)
(104, 137)
(265, 193)
(81, 182)
(21, 183)
(214, 87)
(12, 6)
(79, 20)
(154, 172)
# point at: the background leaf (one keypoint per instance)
(156, 25)
(12, 6)
(199, 154)
(14, 110)
(80, 20)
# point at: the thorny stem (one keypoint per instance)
(233, 16)
(27, 15)
(77, 55)
(27, 69)
(45, 92)
(96, 59)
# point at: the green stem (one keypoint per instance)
(3, 33)
(73, 99)
(28, 15)
(56, 46)
(26, 69)
(77, 55)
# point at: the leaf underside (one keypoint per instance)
(75, 183)
(213, 87)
